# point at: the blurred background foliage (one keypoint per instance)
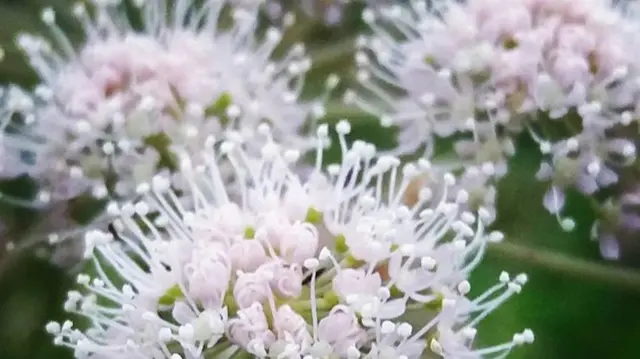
(573, 315)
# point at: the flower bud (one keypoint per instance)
(287, 281)
(251, 288)
(208, 274)
(286, 320)
(247, 255)
(298, 243)
(250, 326)
(341, 330)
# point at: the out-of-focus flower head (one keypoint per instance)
(482, 71)
(109, 114)
(281, 267)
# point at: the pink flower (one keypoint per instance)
(341, 330)
(250, 328)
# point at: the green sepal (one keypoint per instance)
(341, 244)
(171, 295)
(220, 106)
(313, 216)
(249, 233)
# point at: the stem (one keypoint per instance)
(217, 349)
(618, 277)
(337, 51)
(338, 111)
(54, 220)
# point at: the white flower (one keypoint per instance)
(130, 322)
(118, 105)
(356, 281)
(208, 326)
(454, 338)
(383, 259)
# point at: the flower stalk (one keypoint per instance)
(622, 278)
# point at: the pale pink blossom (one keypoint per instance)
(351, 334)
(251, 328)
(287, 281)
(252, 288)
(288, 323)
(247, 255)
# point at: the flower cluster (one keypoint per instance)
(109, 115)
(482, 71)
(275, 266)
(188, 118)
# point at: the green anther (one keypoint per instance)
(430, 60)
(313, 216)
(510, 43)
(341, 244)
(220, 106)
(394, 247)
(331, 299)
(171, 295)
(249, 233)
(436, 304)
(395, 292)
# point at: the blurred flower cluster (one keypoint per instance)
(482, 72)
(225, 230)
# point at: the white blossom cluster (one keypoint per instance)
(483, 71)
(334, 266)
(109, 114)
